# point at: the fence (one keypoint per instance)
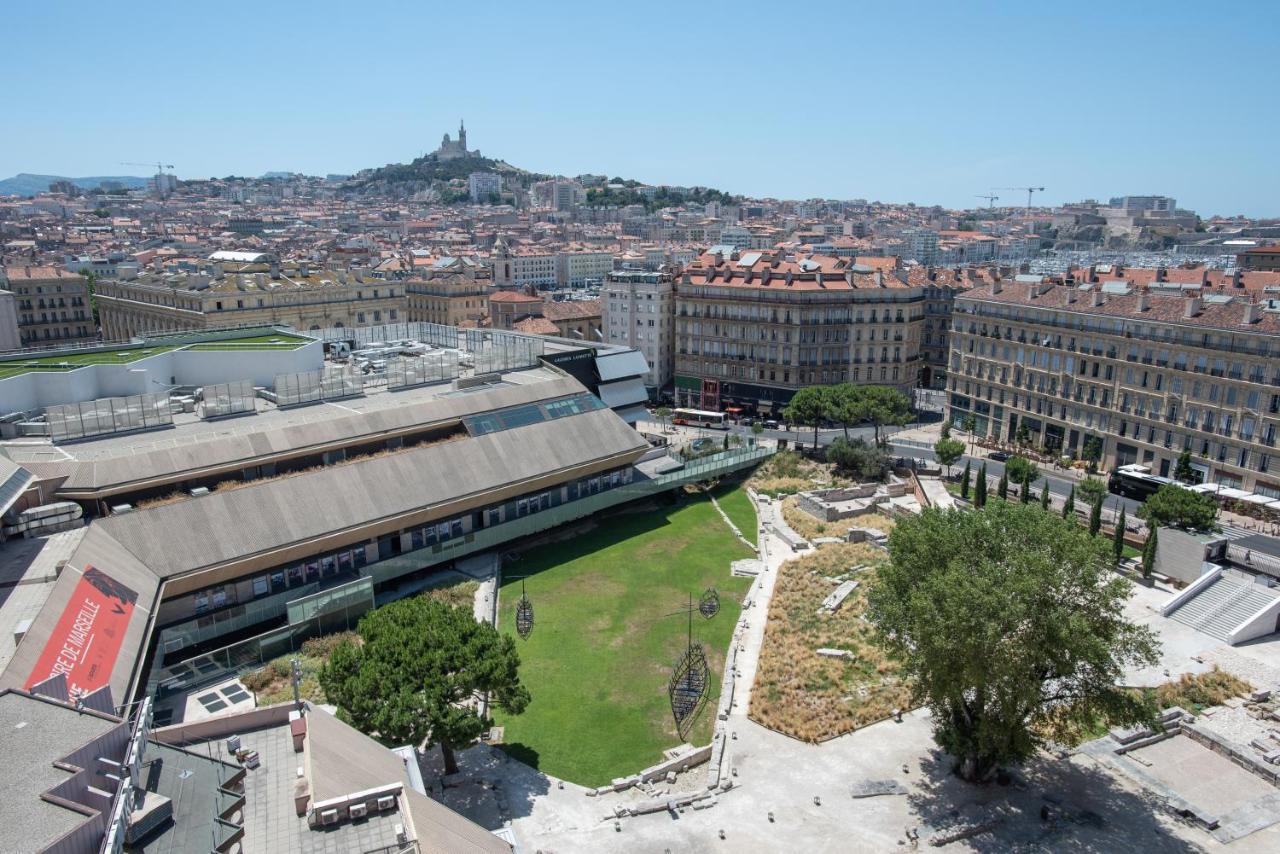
(108, 415)
(315, 386)
(228, 399)
(421, 370)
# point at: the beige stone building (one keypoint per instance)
(52, 305)
(176, 302)
(453, 291)
(753, 327)
(1135, 374)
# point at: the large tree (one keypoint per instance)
(869, 462)
(948, 452)
(885, 406)
(1176, 507)
(844, 405)
(1020, 469)
(419, 672)
(1004, 617)
(808, 408)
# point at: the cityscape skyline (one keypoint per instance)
(933, 102)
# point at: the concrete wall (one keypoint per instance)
(1263, 623)
(1180, 555)
(153, 374)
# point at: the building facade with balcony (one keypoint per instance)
(53, 305)
(1127, 374)
(752, 328)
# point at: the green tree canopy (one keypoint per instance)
(808, 408)
(980, 488)
(1092, 490)
(869, 462)
(1183, 470)
(417, 671)
(1002, 617)
(884, 406)
(1175, 507)
(1021, 469)
(948, 452)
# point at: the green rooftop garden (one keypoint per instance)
(70, 360)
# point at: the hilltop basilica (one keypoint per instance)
(451, 150)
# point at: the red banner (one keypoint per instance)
(85, 643)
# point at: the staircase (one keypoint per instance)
(1223, 605)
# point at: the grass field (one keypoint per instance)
(736, 504)
(125, 354)
(602, 647)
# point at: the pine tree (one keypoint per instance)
(1069, 506)
(1149, 553)
(980, 488)
(1117, 543)
(1024, 489)
(964, 482)
(1044, 495)
(1095, 518)
(1002, 488)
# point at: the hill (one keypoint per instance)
(399, 179)
(26, 184)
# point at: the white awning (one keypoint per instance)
(1258, 499)
(623, 393)
(632, 414)
(626, 363)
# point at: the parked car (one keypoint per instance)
(998, 456)
(747, 422)
(771, 424)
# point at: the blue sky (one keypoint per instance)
(926, 102)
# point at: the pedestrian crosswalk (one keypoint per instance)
(1233, 533)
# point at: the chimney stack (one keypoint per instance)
(1252, 312)
(1236, 279)
(1071, 295)
(996, 285)
(1096, 302)
(1191, 307)
(1144, 301)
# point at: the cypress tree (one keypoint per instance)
(1002, 488)
(1044, 495)
(980, 488)
(1095, 518)
(1069, 506)
(1149, 553)
(964, 482)
(1024, 488)
(1117, 543)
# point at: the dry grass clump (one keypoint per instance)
(786, 473)
(809, 526)
(1194, 693)
(808, 696)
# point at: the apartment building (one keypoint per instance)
(483, 185)
(10, 337)
(638, 310)
(301, 299)
(577, 269)
(753, 328)
(1141, 374)
(52, 305)
(449, 291)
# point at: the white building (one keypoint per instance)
(921, 245)
(637, 310)
(10, 339)
(576, 269)
(483, 185)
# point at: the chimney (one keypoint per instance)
(1033, 290)
(1071, 295)
(1144, 301)
(1093, 274)
(1191, 307)
(996, 285)
(765, 275)
(1252, 312)
(1096, 293)
(1236, 279)
(788, 279)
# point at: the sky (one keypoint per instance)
(932, 103)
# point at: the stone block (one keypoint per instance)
(875, 788)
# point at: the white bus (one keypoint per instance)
(700, 418)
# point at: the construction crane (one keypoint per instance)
(991, 200)
(160, 167)
(1029, 191)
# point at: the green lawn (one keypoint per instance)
(736, 504)
(126, 353)
(602, 647)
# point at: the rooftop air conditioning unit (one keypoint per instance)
(357, 810)
(328, 816)
(401, 836)
(387, 802)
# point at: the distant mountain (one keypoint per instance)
(27, 184)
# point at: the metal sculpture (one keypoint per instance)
(691, 676)
(709, 605)
(524, 614)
